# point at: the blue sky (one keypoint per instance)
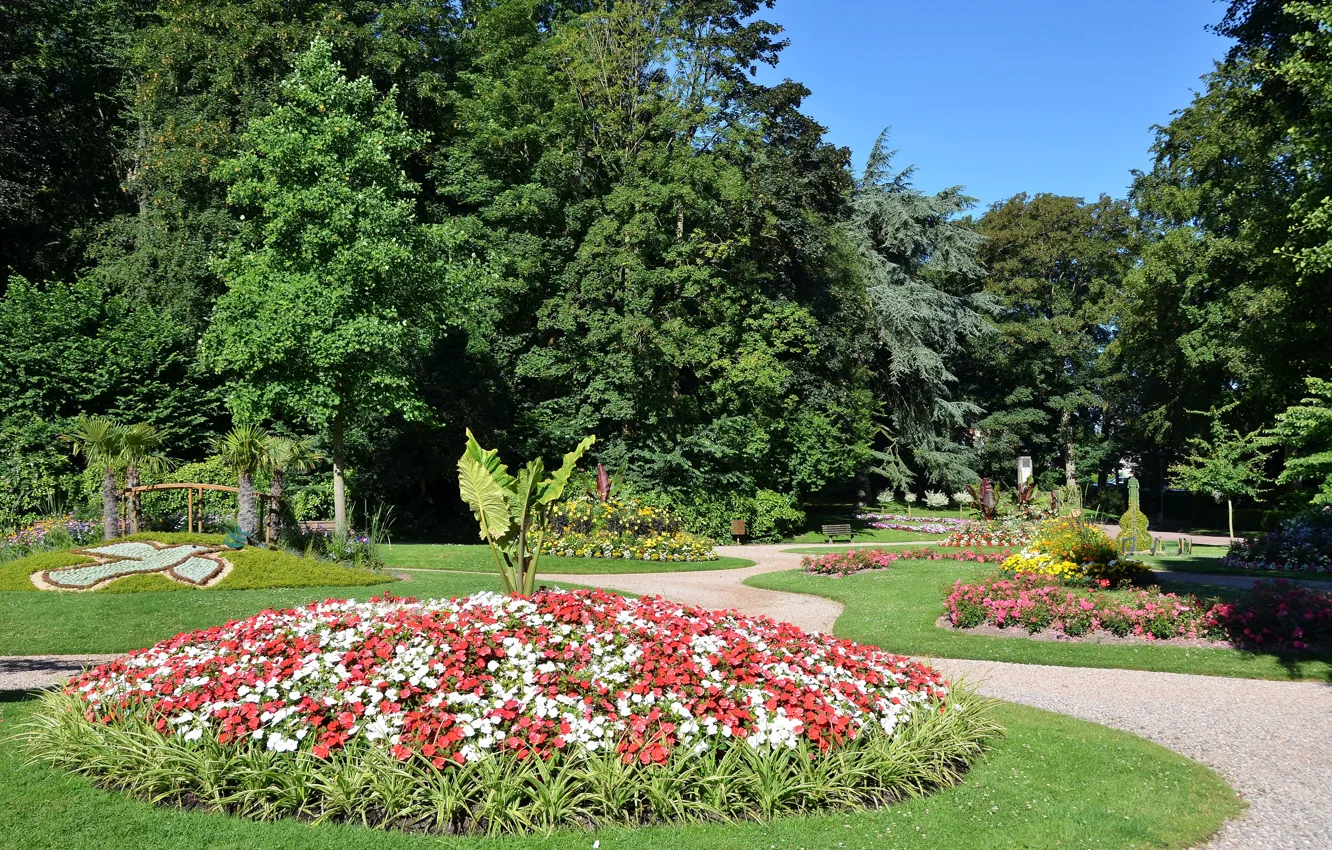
(1001, 96)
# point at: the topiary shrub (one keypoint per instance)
(1133, 527)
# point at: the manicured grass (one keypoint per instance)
(477, 559)
(897, 609)
(14, 574)
(1053, 782)
(1207, 559)
(74, 623)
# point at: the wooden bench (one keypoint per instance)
(831, 531)
(317, 526)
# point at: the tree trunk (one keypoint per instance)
(247, 518)
(1070, 449)
(1230, 517)
(275, 504)
(339, 480)
(110, 520)
(132, 481)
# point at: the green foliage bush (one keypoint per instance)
(770, 516)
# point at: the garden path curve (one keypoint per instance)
(1271, 740)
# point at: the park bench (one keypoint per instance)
(317, 526)
(831, 531)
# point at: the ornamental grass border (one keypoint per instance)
(367, 786)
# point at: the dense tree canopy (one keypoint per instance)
(627, 234)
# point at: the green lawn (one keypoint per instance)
(1053, 782)
(1207, 559)
(477, 559)
(76, 623)
(897, 609)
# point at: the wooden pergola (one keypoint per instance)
(190, 501)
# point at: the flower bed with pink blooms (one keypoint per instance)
(1273, 614)
(465, 699)
(856, 560)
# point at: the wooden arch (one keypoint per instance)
(190, 489)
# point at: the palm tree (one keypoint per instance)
(286, 455)
(140, 451)
(101, 441)
(245, 450)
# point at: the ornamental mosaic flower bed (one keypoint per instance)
(188, 563)
(897, 522)
(635, 710)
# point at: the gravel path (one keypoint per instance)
(28, 672)
(1271, 740)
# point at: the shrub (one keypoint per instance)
(770, 516)
(416, 716)
(1301, 544)
(1277, 613)
(935, 500)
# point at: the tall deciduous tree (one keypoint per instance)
(1226, 465)
(1056, 268)
(333, 289)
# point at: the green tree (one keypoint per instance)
(1306, 430)
(285, 455)
(921, 288)
(1227, 465)
(245, 448)
(1056, 268)
(101, 441)
(1225, 305)
(141, 451)
(663, 258)
(332, 292)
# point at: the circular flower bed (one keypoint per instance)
(424, 714)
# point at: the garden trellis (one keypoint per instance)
(190, 501)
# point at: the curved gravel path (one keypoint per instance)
(1271, 740)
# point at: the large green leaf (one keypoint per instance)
(489, 459)
(553, 487)
(484, 495)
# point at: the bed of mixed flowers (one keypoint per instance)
(58, 531)
(1274, 614)
(1010, 533)
(897, 522)
(459, 680)
(856, 560)
(585, 527)
(1301, 544)
(1036, 603)
(676, 546)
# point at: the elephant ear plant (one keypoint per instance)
(513, 511)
